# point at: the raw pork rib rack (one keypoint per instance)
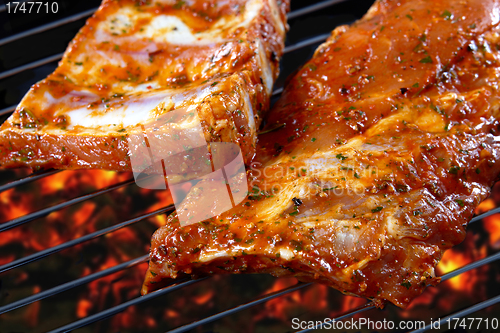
(308, 30)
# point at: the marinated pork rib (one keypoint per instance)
(390, 140)
(136, 60)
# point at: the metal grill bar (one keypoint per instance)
(43, 212)
(367, 306)
(313, 8)
(48, 26)
(119, 308)
(4, 7)
(112, 311)
(72, 284)
(8, 110)
(308, 42)
(486, 214)
(242, 307)
(31, 178)
(31, 65)
(44, 253)
(60, 247)
(359, 309)
(471, 266)
(291, 48)
(277, 91)
(476, 307)
(89, 12)
(447, 276)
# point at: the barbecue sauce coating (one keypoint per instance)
(134, 61)
(386, 141)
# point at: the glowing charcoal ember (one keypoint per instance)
(453, 260)
(313, 302)
(492, 225)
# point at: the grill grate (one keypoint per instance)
(301, 44)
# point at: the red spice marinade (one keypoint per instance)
(388, 142)
(136, 60)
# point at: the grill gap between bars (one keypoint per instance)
(28, 179)
(46, 211)
(112, 311)
(42, 254)
(49, 26)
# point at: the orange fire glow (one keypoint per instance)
(312, 298)
(170, 313)
(83, 307)
(315, 297)
(453, 259)
(86, 178)
(277, 307)
(79, 220)
(164, 199)
(84, 213)
(485, 206)
(31, 315)
(13, 205)
(492, 225)
(349, 303)
(204, 298)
